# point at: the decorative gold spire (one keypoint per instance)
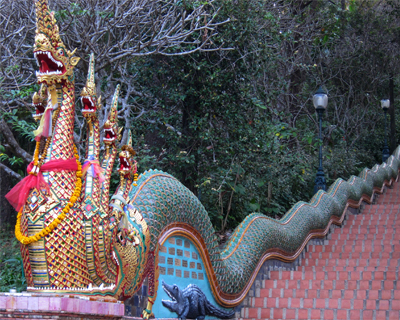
(114, 104)
(90, 84)
(89, 90)
(130, 140)
(46, 22)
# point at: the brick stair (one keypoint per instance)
(352, 275)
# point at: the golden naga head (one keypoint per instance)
(55, 63)
(127, 163)
(39, 101)
(90, 103)
(111, 131)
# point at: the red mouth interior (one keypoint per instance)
(39, 108)
(109, 134)
(123, 164)
(47, 63)
(88, 105)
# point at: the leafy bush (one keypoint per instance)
(11, 269)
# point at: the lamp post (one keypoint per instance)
(320, 101)
(385, 104)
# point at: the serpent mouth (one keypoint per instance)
(47, 64)
(39, 109)
(109, 134)
(89, 105)
(124, 165)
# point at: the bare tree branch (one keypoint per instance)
(10, 172)
(117, 32)
(13, 144)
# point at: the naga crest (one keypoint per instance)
(54, 61)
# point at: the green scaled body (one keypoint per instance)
(163, 200)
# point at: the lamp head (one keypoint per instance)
(320, 99)
(385, 104)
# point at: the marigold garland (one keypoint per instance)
(135, 179)
(47, 230)
(36, 155)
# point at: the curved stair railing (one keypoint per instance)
(285, 239)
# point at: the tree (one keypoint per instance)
(242, 125)
(238, 126)
(119, 33)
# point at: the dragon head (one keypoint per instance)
(89, 99)
(127, 165)
(39, 101)
(111, 131)
(55, 63)
(129, 234)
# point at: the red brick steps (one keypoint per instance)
(353, 275)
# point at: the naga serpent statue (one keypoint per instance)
(75, 240)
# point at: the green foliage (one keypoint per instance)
(237, 127)
(23, 92)
(243, 143)
(75, 10)
(14, 161)
(21, 126)
(11, 269)
(23, 130)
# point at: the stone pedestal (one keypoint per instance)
(58, 306)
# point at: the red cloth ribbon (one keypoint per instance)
(18, 195)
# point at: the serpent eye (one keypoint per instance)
(60, 52)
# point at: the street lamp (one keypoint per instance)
(320, 100)
(385, 104)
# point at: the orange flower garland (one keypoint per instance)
(45, 231)
(36, 155)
